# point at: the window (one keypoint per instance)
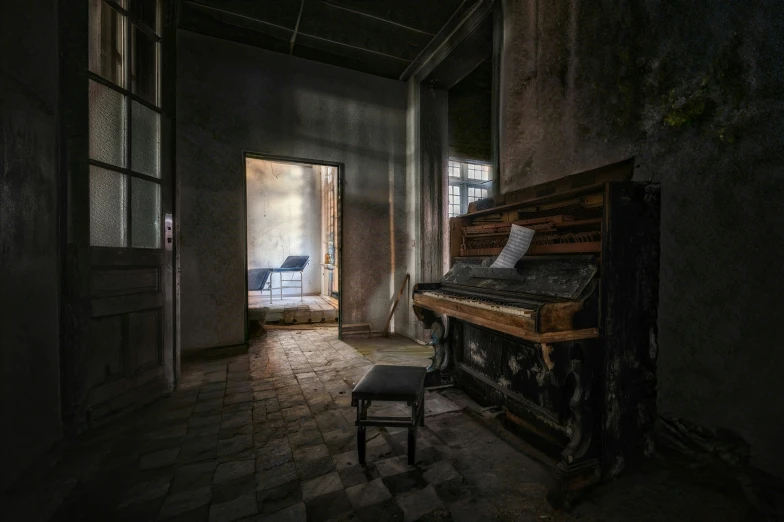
(454, 200)
(468, 182)
(125, 123)
(478, 172)
(476, 193)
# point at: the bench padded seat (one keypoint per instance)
(391, 383)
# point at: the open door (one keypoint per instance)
(292, 210)
(329, 232)
(118, 348)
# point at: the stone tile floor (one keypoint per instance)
(269, 436)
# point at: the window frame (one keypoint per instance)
(465, 183)
(130, 22)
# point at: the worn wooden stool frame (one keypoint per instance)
(362, 399)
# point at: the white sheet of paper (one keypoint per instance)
(519, 241)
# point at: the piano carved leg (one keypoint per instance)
(446, 360)
(440, 370)
(437, 342)
(579, 467)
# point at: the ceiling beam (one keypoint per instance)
(296, 27)
(327, 2)
(232, 14)
(349, 46)
(464, 58)
(228, 15)
(463, 22)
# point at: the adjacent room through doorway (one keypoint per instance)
(292, 241)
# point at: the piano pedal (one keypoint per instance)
(491, 412)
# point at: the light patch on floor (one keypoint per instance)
(292, 310)
(394, 350)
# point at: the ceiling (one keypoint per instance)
(381, 37)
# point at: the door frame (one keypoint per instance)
(339, 240)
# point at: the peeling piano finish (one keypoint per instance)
(565, 344)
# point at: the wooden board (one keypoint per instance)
(561, 248)
(355, 329)
(551, 201)
(566, 248)
(579, 223)
(621, 171)
(456, 225)
(490, 320)
(468, 252)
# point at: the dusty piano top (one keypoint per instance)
(560, 277)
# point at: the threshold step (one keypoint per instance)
(356, 328)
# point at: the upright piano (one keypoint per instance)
(564, 343)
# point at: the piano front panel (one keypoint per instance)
(537, 389)
(516, 365)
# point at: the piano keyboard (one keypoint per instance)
(482, 303)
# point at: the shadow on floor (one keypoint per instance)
(268, 435)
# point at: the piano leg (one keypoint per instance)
(439, 372)
(579, 467)
(436, 341)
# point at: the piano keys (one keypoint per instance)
(565, 341)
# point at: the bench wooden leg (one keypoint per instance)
(362, 413)
(417, 418)
(361, 444)
(412, 436)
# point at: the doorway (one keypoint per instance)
(292, 242)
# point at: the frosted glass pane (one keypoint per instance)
(107, 125)
(108, 204)
(145, 214)
(107, 42)
(145, 140)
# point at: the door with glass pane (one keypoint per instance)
(129, 347)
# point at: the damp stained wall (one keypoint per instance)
(470, 115)
(693, 91)
(233, 98)
(29, 291)
(284, 219)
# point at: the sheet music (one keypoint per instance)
(516, 247)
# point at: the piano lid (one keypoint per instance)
(560, 277)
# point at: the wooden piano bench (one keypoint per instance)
(390, 384)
